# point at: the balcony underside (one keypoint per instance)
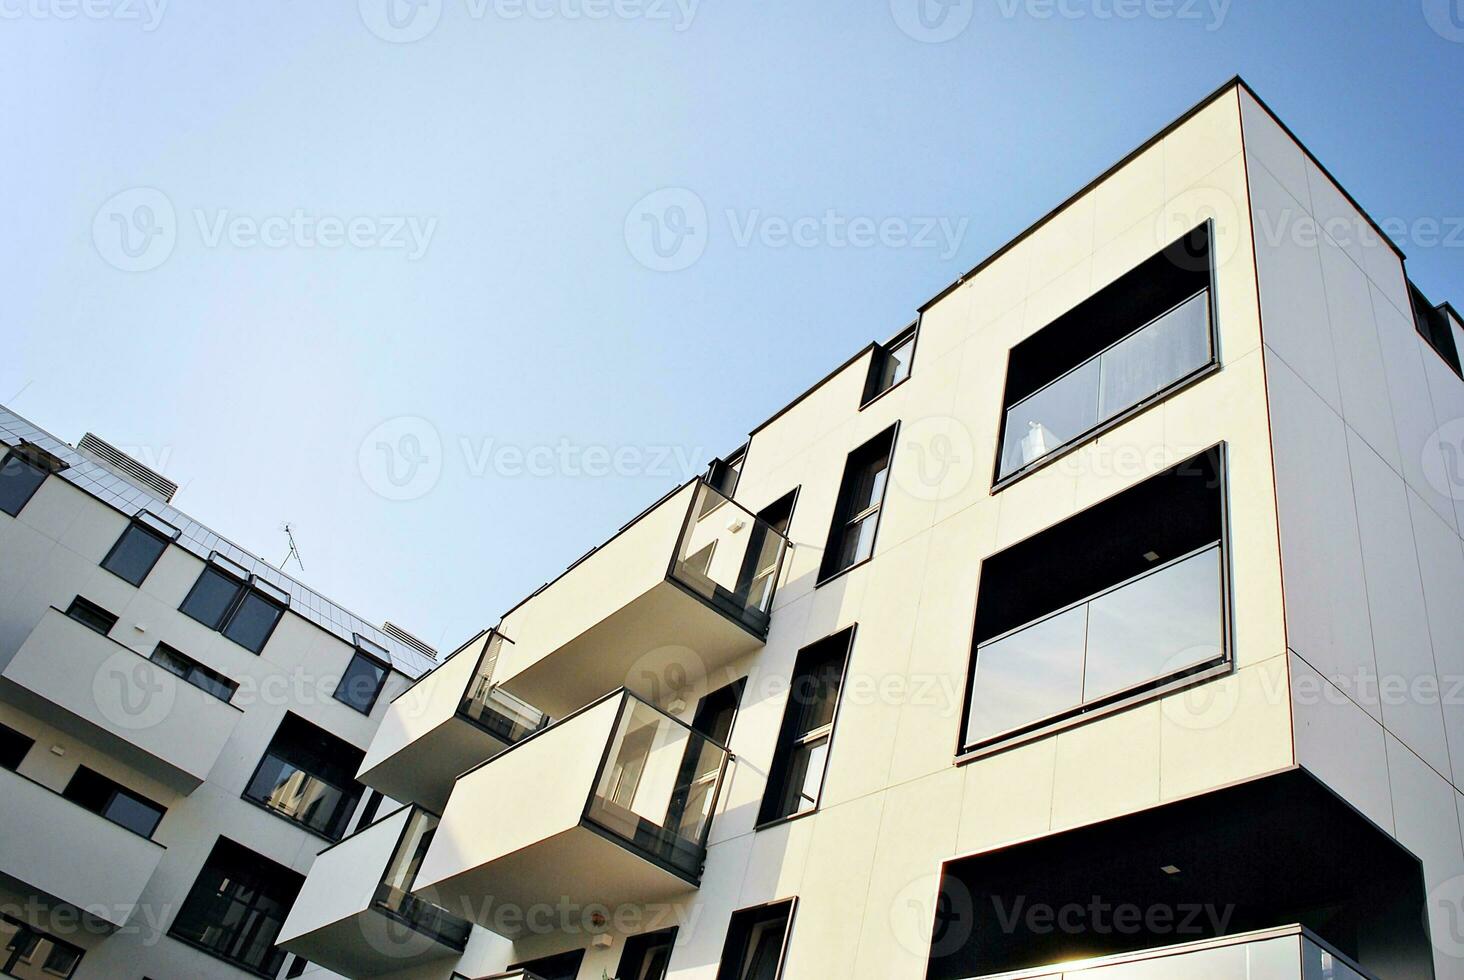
(665, 630)
(368, 944)
(579, 867)
(422, 770)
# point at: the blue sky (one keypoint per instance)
(340, 234)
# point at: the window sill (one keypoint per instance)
(215, 954)
(1102, 428)
(779, 821)
(291, 820)
(865, 404)
(843, 571)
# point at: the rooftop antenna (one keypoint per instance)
(294, 551)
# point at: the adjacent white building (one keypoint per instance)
(1104, 623)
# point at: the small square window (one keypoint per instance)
(20, 478)
(251, 624)
(13, 747)
(756, 938)
(889, 364)
(91, 615)
(361, 683)
(135, 553)
(112, 801)
(211, 597)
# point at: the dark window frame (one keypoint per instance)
(353, 792)
(140, 525)
(1431, 323)
(559, 962)
(1213, 365)
(14, 744)
(249, 881)
(113, 790)
(790, 739)
(636, 948)
(81, 604)
(843, 521)
(247, 587)
(363, 651)
(880, 356)
(1143, 693)
(35, 460)
(11, 955)
(740, 931)
(724, 467)
(191, 666)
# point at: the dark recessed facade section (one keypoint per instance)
(1116, 602)
(1133, 342)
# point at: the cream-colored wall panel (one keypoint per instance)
(93, 532)
(1413, 408)
(1008, 796)
(1440, 463)
(1365, 402)
(1427, 820)
(1268, 144)
(1037, 501)
(1205, 139)
(53, 507)
(1340, 743)
(1336, 218)
(1107, 767)
(1119, 458)
(1131, 194)
(916, 834)
(1441, 564)
(699, 941)
(1059, 295)
(1293, 295)
(976, 421)
(1064, 241)
(827, 927)
(1401, 642)
(1226, 730)
(1326, 598)
(947, 324)
(777, 860)
(1384, 268)
(1000, 287)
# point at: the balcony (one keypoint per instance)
(1285, 953)
(1163, 353)
(103, 869)
(449, 721)
(610, 805)
(357, 915)
(115, 699)
(684, 589)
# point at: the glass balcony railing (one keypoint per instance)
(394, 895)
(657, 786)
(1284, 953)
(493, 709)
(730, 558)
(1167, 621)
(1164, 351)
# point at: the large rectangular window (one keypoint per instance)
(13, 747)
(1132, 342)
(756, 940)
(243, 607)
(795, 779)
(139, 548)
(91, 615)
(30, 954)
(236, 908)
(195, 673)
(856, 512)
(21, 475)
(113, 801)
(308, 776)
(1124, 598)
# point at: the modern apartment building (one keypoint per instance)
(180, 725)
(1104, 623)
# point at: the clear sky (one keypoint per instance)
(261, 244)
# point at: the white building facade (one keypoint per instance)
(1104, 623)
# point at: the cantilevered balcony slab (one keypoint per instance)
(684, 589)
(64, 853)
(112, 697)
(608, 806)
(356, 915)
(449, 721)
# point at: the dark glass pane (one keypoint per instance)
(137, 815)
(754, 945)
(171, 660)
(91, 615)
(194, 673)
(1158, 625)
(211, 597)
(252, 623)
(19, 480)
(361, 682)
(1027, 675)
(237, 906)
(13, 747)
(1148, 361)
(561, 966)
(110, 800)
(1051, 417)
(134, 554)
(805, 776)
(301, 796)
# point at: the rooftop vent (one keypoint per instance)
(402, 636)
(126, 467)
